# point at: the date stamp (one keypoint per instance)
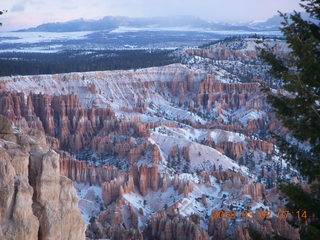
(282, 214)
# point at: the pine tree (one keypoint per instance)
(298, 108)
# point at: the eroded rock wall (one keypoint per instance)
(36, 202)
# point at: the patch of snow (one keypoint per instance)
(90, 202)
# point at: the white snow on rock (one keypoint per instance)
(156, 201)
(201, 156)
(246, 116)
(90, 202)
(219, 136)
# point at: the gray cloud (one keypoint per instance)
(35, 12)
(18, 8)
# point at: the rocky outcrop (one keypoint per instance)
(61, 117)
(232, 150)
(81, 172)
(118, 232)
(144, 179)
(135, 92)
(262, 146)
(223, 53)
(110, 224)
(235, 150)
(115, 188)
(218, 228)
(229, 95)
(36, 202)
(56, 204)
(228, 176)
(148, 178)
(268, 228)
(242, 233)
(175, 227)
(236, 49)
(5, 125)
(255, 190)
(17, 220)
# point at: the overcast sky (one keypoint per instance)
(28, 13)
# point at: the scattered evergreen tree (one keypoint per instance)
(166, 206)
(298, 108)
(17, 63)
(254, 234)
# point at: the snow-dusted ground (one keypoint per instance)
(90, 203)
(113, 87)
(219, 136)
(156, 201)
(245, 116)
(201, 156)
(240, 63)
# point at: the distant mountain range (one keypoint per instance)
(109, 23)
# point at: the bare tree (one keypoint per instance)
(2, 12)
